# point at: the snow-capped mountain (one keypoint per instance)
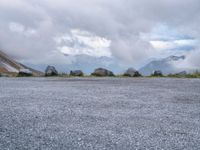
(10, 66)
(166, 65)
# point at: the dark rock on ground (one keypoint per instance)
(132, 73)
(157, 73)
(101, 72)
(76, 73)
(51, 71)
(25, 73)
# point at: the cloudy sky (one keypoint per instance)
(129, 31)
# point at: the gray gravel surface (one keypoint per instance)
(99, 113)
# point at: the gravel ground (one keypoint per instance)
(99, 113)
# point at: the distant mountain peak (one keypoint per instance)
(165, 65)
(175, 58)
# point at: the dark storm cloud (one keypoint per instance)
(120, 21)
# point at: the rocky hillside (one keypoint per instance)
(11, 67)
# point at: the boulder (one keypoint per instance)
(25, 73)
(132, 73)
(157, 73)
(101, 72)
(76, 73)
(51, 71)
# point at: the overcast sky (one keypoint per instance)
(132, 31)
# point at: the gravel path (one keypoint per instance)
(99, 113)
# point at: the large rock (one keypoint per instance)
(132, 73)
(76, 73)
(25, 73)
(157, 73)
(101, 72)
(51, 71)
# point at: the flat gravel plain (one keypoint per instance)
(99, 113)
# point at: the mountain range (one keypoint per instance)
(89, 63)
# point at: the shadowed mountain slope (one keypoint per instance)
(11, 67)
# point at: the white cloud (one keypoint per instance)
(192, 61)
(105, 28)
(167, 40)
(176, 44)
(91, 40)
(20, 29)
(30, 32)
(16, 27)
(79, 42)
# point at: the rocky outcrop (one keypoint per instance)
(10, 67)
(101, 72)
(132, 73)
(25, 73)
(78, 73)
(51, 71)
